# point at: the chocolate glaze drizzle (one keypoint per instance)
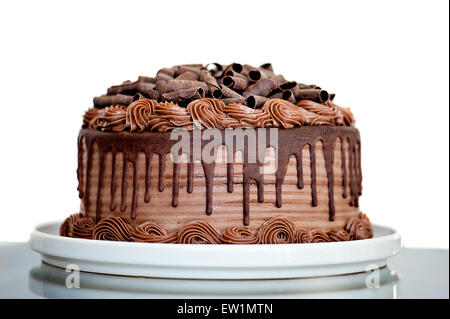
(159, 144)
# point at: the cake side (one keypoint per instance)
(304, 196)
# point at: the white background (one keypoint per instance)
(387, 60)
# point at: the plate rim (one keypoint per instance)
(38, 235)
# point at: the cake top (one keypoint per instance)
(213, 96)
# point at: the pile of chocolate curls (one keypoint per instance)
(234, 83)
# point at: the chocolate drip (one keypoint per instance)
(208, 169)
(135, 187)
(229, 177)
(123, 204)
(343, 169)
(328, 144)
(312, 156)
(292, 143)
(190, 177)
(299, 157)
(148, 175)
(80, 167)
(175, 184)
(113, 183)
(100, 186)
(161, 172)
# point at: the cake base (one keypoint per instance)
(215, 261)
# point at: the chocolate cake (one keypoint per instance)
(218, 154)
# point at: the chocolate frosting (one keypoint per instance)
(276, 230)
(249, 117)
(239, 235)
(78, 226)
(168, 116)
(150, 115)
(320, 109)
(113, 228)
(359, 227)
(151, 232)
(287, 115)
(138, 114)
(115, 119)
(210, 114)
(198, 233)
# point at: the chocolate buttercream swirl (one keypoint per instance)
(115, 119)
(247, 116)
(138, 114)
(151, 232)
(238, 235)
(335, 116)
(339, 235)
(93, 117)
(304, 236)
(210, 113)
(198, 233)
(288, 115)
(319, 236)
(359, 227)
(77, 226)
(349, 119)
(114, 229)
(169, 116)
(277, 230)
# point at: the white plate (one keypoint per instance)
(215, 261)
(50, 282)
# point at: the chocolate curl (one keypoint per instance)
(235, 82)
(288, 96)
(146, 79)
(167, 71)
(216, 93)
(256, 101)
(211, 81)
(178, 85)
(107, 100)
(315, 95)
(229, 93)
(148, 89)
(267, 66)
(262, 87)
(234, 74)
(288, 85)
(302, 86)
(231, 100)
(189, 75)
(126, 87)
(163, 77)
(161, 86)
(252, 73)
(165, 74)
(279, 80)
(233, 68)
(184, 95)
(276, 95)
(186, 68)
(138, 96)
